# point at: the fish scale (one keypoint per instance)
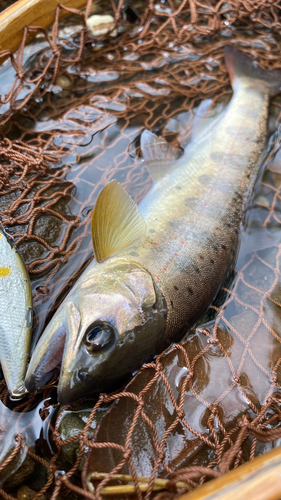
(15, 317)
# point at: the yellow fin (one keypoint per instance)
(116, 222)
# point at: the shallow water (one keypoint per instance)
(92, 118)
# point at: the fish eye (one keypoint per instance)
(99, 335)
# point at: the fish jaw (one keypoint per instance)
(48, 353)
(78, 375)
(77, 364)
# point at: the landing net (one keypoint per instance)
(73, 106)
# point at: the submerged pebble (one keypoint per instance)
(101, 25)
(21, 468)
(26, 493)
(63, 81)
(72, 422)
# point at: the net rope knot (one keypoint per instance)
(181, 414)
(127, 454)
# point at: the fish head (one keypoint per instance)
(103, 331)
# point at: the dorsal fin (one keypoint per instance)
(116, 222)
(159, 155)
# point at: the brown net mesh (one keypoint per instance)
(73, 108)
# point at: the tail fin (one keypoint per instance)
(240, 66)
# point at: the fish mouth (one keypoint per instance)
(83, 373)
(74, 387)
(42, 369)
(61, 345)
(67, 396)
(50, 350)
(78, 376)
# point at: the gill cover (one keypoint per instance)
(106, 328)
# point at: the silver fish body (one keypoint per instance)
(15, 317)
(127, 308)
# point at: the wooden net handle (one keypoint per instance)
(258, 479)
(30, 12)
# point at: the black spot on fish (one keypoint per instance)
(201, 257)
(172, 303)
(228, 224)
(197, 270)
(190, 202)
(215, 247)
(223, 247)
(173, 224)
(190, 290)
(211, 260)
(134, 254)
(29, 316)
(205, 179)
(259, 140)
(236, 231)
(176, 288)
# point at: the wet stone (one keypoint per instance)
(49, 228)
(73, 422)
(26, 493)
(244, 323)
(63, 81)
(32, 250)
(21, 468)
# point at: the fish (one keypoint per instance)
(159, 265)
(16, 313)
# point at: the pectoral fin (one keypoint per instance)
(116, 222)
